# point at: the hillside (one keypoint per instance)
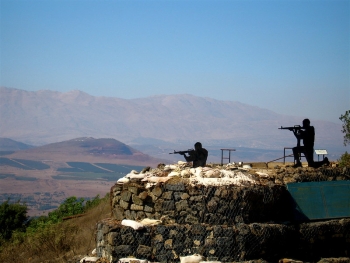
(44, 176)
(9, 145)
(77, 234)
(166, 122)
(87, 149)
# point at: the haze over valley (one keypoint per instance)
(54, 145)
(155, 125)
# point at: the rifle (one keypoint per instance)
(189, 151)
(296, 129)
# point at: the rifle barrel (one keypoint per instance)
(296, 127)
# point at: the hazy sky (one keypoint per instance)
(291, 57)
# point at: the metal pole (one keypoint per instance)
(222, 156)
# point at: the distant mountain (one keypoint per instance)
(87, 149)
(161, 122)
(7, 144)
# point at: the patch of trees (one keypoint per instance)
(15, 223)
(12, 217)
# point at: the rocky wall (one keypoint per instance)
(177, 201)
(240, 242)
(284, 174)
(257, 196)
(240, 216)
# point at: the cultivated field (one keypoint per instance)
(43, 186)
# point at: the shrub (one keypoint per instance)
(46, 241)
(71, 206)
(12, 217)
(344, 160)
(346, 126)
(92, 203)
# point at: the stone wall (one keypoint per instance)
(234, 222)
(239, 242)
(183, 203)
(282, 175)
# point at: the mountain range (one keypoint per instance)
(54, 145)
(155, 125)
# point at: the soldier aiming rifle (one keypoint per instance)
(198, 156)
(307, 134)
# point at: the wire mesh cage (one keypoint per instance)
(221, 222)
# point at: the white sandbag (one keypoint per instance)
(198, 172)
(227, 173)
(214, 173)
(185, 173)
(132, 260)
(246, 166)
(89, 259)
(155, 179)
(149, 185)
(209, 174)
(173, 174)
(136, 176)
(195, 258)
(170, 167)
(131, 223)
(123, 180)
(262, 175)
(150, 222)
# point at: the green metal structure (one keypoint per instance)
(320, 200)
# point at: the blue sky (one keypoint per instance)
(291, 57)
